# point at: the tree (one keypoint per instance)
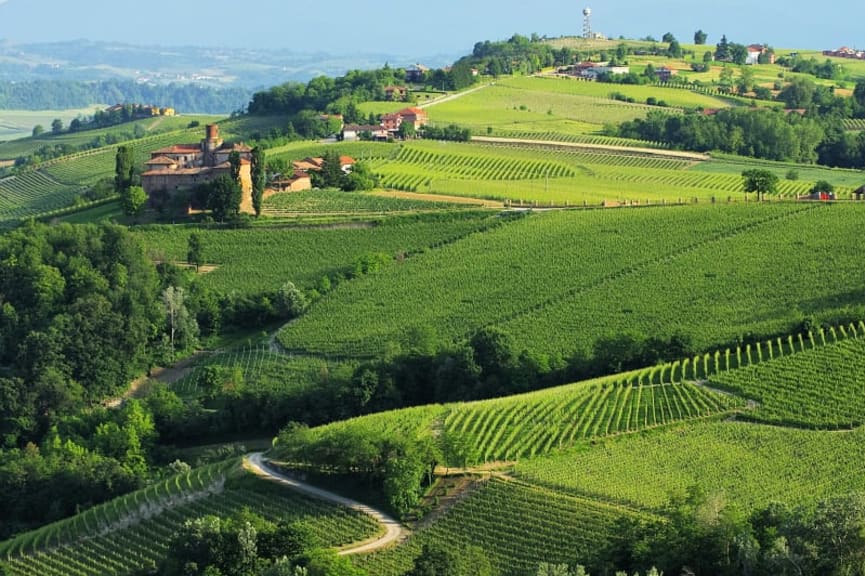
(434, 561)
(799, 93)
(722, 50)
(331, 174)
(38, 131)
(181, 325)
(56, 126)
(700, 37)
(668, 37)
(133, 199)
(123, 168)
(407, 130)
(223, 197)
(258, 179)
(195, 251)
(759, 181)
(360, 178)
(823, 187)
(234, 160)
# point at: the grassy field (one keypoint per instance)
(16, 124)
(539, 105)
(24, 146)
(740, 268)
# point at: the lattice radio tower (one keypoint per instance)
(587, 23)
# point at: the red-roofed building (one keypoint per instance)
(185, 166)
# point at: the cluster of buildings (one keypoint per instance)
(845, 52)
(300, 179)
(389, 127)
(185, 166)
(142, 110)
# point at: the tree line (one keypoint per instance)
(67, 94)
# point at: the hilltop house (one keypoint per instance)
(755, 51)
(185, 166)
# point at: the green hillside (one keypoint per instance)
(616, 278)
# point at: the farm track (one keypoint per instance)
(641, 266)
(632, 150)
(453, 97)
(394, 531)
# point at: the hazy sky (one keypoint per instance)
(424, 28)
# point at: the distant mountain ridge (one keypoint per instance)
(86, 60)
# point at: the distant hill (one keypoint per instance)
(223, 66)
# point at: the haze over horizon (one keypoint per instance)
(392, 27)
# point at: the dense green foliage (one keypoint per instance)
(78, 317)
(773, 135)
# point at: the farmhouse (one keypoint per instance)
(353, 132)
(185, 166)
(665, 74)
(756, 51)
(298, 182)
(591, 70)
(308, 165)
(417, 116)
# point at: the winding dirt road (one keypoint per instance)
(394, 531)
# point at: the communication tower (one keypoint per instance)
(587, 23)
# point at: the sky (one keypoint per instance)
(424, 28)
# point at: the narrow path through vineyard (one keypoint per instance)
(394, 531)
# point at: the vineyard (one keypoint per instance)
(560, 176)
(333, 202)
(523, 427)
(260, 369)
(747, 464)
(529, 425)
(255, 259)
(738, 269)
(141, 525)
(822, 387)
(515, 525)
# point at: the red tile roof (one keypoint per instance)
(161, 160)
